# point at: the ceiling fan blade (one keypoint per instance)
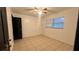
(45, 9)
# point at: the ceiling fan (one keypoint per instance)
(38, 10)
(41, 10)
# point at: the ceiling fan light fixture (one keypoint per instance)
(40, 12)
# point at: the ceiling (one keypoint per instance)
(30, 10)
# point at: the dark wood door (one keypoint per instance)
(76, 44)
(17, 28)
(3, 30)
(1, 34)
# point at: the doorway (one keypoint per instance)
(17, 28)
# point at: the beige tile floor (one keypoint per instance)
(40, 43)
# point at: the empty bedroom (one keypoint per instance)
(42, 28)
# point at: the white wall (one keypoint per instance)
(67, 34)
(30, 25)
(10, 29)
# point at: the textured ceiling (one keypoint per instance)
(30, 10)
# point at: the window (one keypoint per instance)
(56, 22)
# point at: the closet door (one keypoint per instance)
(2, 45)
